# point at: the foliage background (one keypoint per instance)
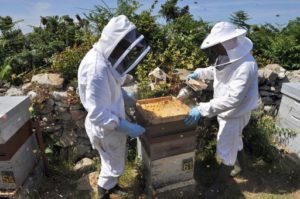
(60, 42)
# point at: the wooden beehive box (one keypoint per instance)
(162, 116)
(168, 170)
(14, 114)
(14, 171)
(289, 113)
(165, 146)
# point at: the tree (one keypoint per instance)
(239, 18)
(170, 11)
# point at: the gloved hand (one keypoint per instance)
(131, 129)
(193, 117)
(193, 75)
(129, 98)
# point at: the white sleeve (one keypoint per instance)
(237, 92)
(205, 73)
(97, 101)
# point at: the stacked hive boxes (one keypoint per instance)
(17, 143)
(289, 113)
(167, 147)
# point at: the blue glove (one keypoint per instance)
(129, 98)
(193, 117)
(193, 75)
(131, 129)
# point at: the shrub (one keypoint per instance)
(67, 61)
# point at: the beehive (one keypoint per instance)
(162, 116)
(289, 113)
(18, 147)
(167, 149)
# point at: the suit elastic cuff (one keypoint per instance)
(204, 109)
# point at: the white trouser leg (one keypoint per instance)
(229, 139)
(112, 151)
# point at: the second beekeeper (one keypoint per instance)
(235, 76)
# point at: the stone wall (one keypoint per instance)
(271, 78)
(61, 115)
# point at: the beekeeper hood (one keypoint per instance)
(122, 45)
(233, 39)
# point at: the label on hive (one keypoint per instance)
(187, 164)
(7, 177)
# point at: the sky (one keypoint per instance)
(277, 12)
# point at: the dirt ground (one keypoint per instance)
(279, 180)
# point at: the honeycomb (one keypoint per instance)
(165, 108)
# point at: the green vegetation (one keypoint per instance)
(59, 43)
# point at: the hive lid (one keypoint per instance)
(14, 114)
(7, 103)
(292, 90)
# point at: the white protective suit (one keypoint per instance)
(101, 95)
(235, 91)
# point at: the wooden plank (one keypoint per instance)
(170, 128)
(8, 149)
(170, 145)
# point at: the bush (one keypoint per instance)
(67, 61)
(262, 136)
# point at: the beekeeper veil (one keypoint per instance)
(233, 40)
(122, 45)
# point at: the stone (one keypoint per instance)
(71, 89)
(60, 109)
(53, 128)
(65, 116)
(14, 91)
(32, 95)
(60, 96)
(264, 88)
(46, 107)
(79, 151)
(62, 104)
(261, 78)
(76, 107)
(267, 100)
(68, 138)
(84, 165)
(49, 80)
(276, 68)
(77, 114)
(266, 93)
(88, 182)
(26, 87)
(270, 76)
(293, 76)
(267, 108)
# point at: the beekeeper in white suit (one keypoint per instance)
(235, 76)
(100, 76)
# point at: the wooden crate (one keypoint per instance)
(162, 126)
(168, 109)
(169, 170)
(14, 171)
(14, 114)
(165, 146)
